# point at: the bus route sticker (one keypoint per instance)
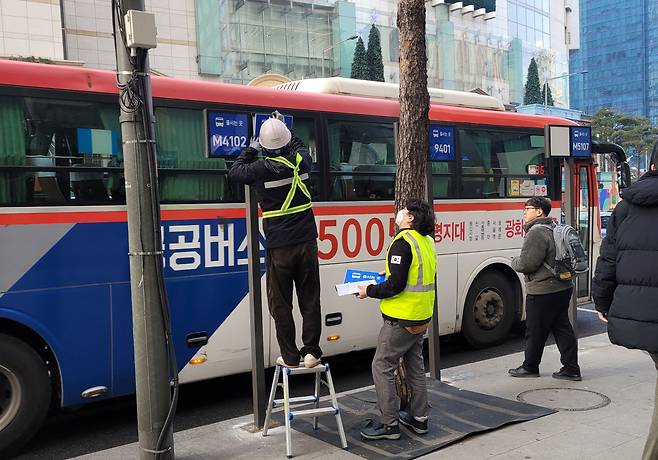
(228, 133)
(260, 118)
(442, 143)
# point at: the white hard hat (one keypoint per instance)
(274, 134)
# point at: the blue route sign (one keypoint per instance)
(228, 133)
(260, 118)
(353, 276)
(581, 146)
(442, 143)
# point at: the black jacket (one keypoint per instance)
(285, 230)
(625, 286)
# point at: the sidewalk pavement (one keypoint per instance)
(618, 430)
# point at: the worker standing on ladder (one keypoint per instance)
(407, 305)
(281, 181)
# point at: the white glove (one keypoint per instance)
(254, 144)
(278, 116)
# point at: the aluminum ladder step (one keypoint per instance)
(289, 403)
(313, 412)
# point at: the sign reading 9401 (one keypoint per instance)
(228, 133)
(442, 143)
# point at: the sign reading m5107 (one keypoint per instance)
(581, 141)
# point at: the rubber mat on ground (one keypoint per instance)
(454, 414)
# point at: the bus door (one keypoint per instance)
(583, 209)
(584, 212)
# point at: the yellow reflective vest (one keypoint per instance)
(296, 183)
(416, 301)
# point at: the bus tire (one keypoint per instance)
(489, 311)
(25, 394)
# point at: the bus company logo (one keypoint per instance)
(192, 247)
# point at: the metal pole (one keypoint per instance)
(570, 215)
(255, 309)
(433, 332)
(152, 376)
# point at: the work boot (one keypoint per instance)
(522, 372)
(311, 361)
(374, 431)
(418, 426)
(564, 374)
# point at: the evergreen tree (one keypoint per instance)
(532, 93)
(549, 100)
(374, 60)
(359, 68)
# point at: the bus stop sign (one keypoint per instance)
(442, 142)
(581, 142)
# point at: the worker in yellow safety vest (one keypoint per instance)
(407, 304)
(281, 181)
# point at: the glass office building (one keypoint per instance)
(618, 42)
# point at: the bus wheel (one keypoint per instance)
(489, 310)
(25, 393)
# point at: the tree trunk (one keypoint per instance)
(413, 140)
(412, 148)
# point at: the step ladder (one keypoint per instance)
(290, 403)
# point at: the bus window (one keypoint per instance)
(304, 128)
(186, 175)
(361, 160)
(73, 143)
(502, 164)
(442, 179)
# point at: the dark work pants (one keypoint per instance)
(296, 264)
(544, 314)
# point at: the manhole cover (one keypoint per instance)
(568, 399)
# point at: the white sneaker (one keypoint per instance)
(281, 362)
(311, 361)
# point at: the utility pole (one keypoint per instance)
(148, 295)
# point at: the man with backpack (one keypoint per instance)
(625, 287)
(549, 288)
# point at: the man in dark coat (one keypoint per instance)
(625, 287)
(282, 185)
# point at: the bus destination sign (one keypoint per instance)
(228, 133)
(581, 142)
(442, 143)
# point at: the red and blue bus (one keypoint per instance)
(65, 314)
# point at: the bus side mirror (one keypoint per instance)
(623, 175)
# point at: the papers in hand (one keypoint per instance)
(352, 288)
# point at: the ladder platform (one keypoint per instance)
(305, 370)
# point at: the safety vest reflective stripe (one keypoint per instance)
(282, 182)
(418, 286)
(297, 182)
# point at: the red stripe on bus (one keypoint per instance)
(83, 217)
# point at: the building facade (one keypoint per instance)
(618, 43)
(470, 44)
